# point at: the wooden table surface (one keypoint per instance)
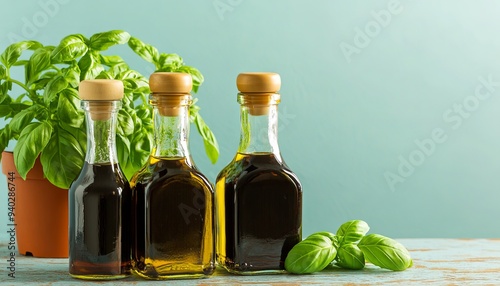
(436, 262)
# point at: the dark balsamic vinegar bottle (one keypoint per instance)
(100, 198)
(258, 198)
(173, 200)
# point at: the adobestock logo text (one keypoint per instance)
(32, 25)
(364, 36)
(453, 117)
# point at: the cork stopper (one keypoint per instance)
(170, 91)
(258, 90)
(100, 93)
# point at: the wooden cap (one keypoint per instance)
(171, 90)
(258, 91)
(99, 93)
(261, 82)
(101, 89)
(170, 82)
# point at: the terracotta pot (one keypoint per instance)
(41, 212)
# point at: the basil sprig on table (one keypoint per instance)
(385, 252)
(349, 248)
(311, 255)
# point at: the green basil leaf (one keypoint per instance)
(4, 89)
(43, 80)
(137, 121)
(54, 86)
(140, 148)
(116, 65)
(90, 66)
(80, 135)
(141, 93)
(115, 70)
(63, 157)
(145, 51)
(169, 62)
(9, 85)
(195, 74)
(32, 141)
(170, 59)
(127, 100)
(311, 255)
(385, 252)
(104, 75)
(125, 123)
(20, 99)
(130, 85)
(5, 137)
(38, 62)
(130, 74)
(350, 256)
(144, 113)
(167, 68)
(16, 107)
(111, 60)
(70, 48)
(20, 63)
(330, 235)
(352, 231)
(23, 118)
(5, 107)
(3, 72)
(72, 75)
(13, 52)
(68, 108)
(193, 109)
(134, 84)
(123, 152)
(209, 141)
(9, 108)
(102, 41)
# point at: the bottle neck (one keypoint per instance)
(171, 125)
(259, 130)
(101, 118)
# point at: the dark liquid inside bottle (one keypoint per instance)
(102, 200)
(259, 208)
(177, 222)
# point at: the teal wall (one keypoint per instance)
(390, 109)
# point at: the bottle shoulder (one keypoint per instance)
(250, 166)
(168, 170)
(101, 178)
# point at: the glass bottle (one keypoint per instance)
(173, 214)
(258, 198)
(100, 198)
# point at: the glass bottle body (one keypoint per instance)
(173, 215)
(258, 202)
(99, 209)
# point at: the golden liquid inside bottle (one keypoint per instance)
(173, 208)
(259, 214)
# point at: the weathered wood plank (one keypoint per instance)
(436, 261)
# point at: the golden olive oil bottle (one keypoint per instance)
(173, 200)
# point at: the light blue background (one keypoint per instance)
(345, 119)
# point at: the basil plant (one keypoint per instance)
(45, 116)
